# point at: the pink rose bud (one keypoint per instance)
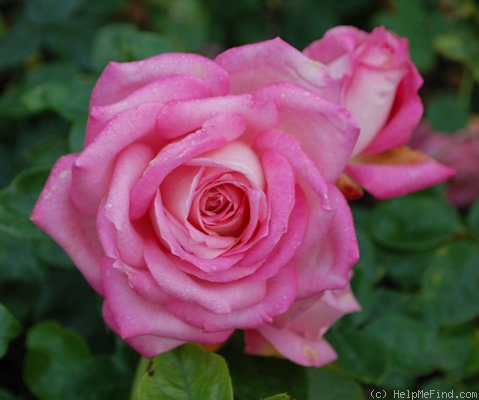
(379, 85)
(203, 201)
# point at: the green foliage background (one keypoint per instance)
(418, 277)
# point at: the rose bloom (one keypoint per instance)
(379, 85)
(460, 151)
(204, 201)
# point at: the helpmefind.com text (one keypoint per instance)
(422, 394)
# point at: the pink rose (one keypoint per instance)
(459, 151)
(204, 199)
(379, 85)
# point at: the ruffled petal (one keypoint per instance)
(329, 249)
(384, 176)
(119, 237)
(310, 353)
(177, 87)
(93, 168)
(255, 65)
(75, 232)
(214, 134)
(154, 319)
(326, 131)
(119, 80)
(179, 118)
(219, 298)
(279, 294)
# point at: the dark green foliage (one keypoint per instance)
(418, 277)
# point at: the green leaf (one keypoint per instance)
(54, 356)
(360, 355)
(69, 99)
(446, 113)
(460, 46)
(403, 269)
(4, 395)
(58, 365)
(472, 218)
(411, 223)
(411, 345)
(124, 42)
(282, 396)
(47, 11)
(450, 284)
(184, 22)
(9, 328)
(187, 372)
(76, 137)
(17, 201)
(18, 44)
(456, 348)
(328, 384)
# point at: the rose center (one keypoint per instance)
(222, 209)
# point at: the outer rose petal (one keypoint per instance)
(255, 65)
(291, 345)
(93, 167)
(297, 334)
(385, 179)
(147, 345)
(119, 238)
(335, 43)
(118, 80)
(325, 130)
(76, 233)
(329, 248)
(405, 114)
(154, 319)
(160, 91)
(279, 295)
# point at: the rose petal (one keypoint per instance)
(385, 181)
(329, 248)
(297, 334)
(335, 44)
(325, 130)
(217, 297)
(154, 319)
(279, 295)
(76, 233)
(181, 117)
(119, 237)
(372, 110)
(236, 156)
(406, 113)
(255, 65)
(161, 91)
(119, 80)
(313, 316)
(302, 351)
(92, 170)
(147, 345)
(215, 133)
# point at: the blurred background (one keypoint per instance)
(418, 277)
